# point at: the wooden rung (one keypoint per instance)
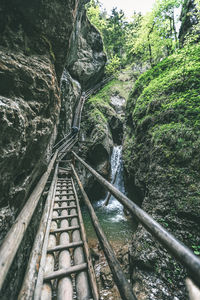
(64, 188)
(57, 201)
(66, 194)
(65, 247)
(64, 217)
(63, 179)
(64, 272)
(63, 191)
(66, 160)
(62, 208)
(64, 229)
(65, 184)
(65, 169)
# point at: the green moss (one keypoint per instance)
(163, 113)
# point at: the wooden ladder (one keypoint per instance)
(66, 270)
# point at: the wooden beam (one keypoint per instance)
(65, 229)
(91, 272)
(82, 284)
(122, 283)
(65, 247)
(64, 272)
(44, 289)
(182, 253)
(30, 277)
(64, 217)
(65, 286)
(60, 208)
(16, 233)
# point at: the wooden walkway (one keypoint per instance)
(66, 270)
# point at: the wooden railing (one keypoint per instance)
(182, 253)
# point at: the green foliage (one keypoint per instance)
(148, 38)
(196, 249)
(112, 67)
(156, 35)
(111, 27)
(98, 110)
(163, 114)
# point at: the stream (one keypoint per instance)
(116, 225)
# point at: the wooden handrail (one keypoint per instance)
(122, 283)
(15, 235)
(182, 253)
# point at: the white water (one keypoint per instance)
(112, 218)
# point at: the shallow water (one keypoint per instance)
(116, 225)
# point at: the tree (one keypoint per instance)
(156, 36)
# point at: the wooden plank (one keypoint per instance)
(65, 194)
(65, 247)
(63, 191)
(64, 229)
(64, 217)
(30, 277)
(47, 239)
(64, 187)
(91, 272)
(64, 179)
(65, 287)
(82, 284)
(65, 200)
(16, 233)
(60, 208)
(64, 272)
(47, 265)
(122, 283)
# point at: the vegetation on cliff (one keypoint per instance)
(161, 156)
(163, 114)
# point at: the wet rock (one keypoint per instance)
(70, 95)
(118, 103)
(29, 113)
(86, 56)
(106, 277)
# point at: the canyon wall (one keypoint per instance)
(49, 53)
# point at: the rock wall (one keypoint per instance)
(37, 42)
(161, 158)
(101, 128)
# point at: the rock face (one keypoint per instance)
(37, 43)
(161, 157)
(86, 56)
(102, 127)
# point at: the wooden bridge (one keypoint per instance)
(60, 265)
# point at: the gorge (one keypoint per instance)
(142, 126)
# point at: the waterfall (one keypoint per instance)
(112, 218)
